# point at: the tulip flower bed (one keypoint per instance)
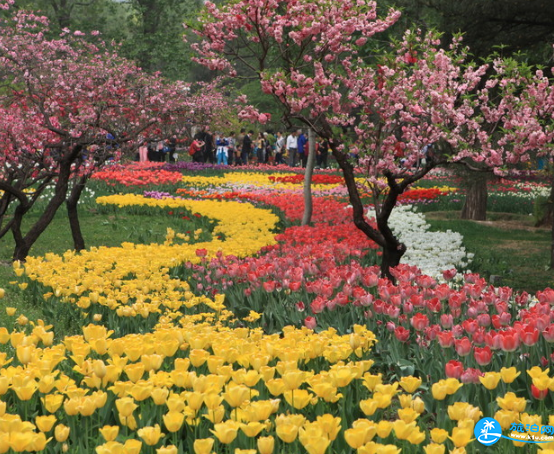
(257, 341)
(137, 174)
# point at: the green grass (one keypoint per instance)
(101, 227)
(507, 245)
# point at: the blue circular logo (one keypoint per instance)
(487, 431)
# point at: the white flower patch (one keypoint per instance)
(432, 252)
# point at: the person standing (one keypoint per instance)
(246, 147)
(210, 146)
(222, 149)
(292, 148)
(232, 147)
(172, 149)
(322, 154)
(279, 148)
(240, 141)
(143, 152)
(302, 149)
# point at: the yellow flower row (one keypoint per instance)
(232, 384)
(249, 179)
(134, 279)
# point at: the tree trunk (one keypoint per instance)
(392, 254)
(23, 244)
(475, 205)
(393, 250)
(72, 213)
(310, 164)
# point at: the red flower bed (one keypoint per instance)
(136, 176)
(316, 179)
(420, 195)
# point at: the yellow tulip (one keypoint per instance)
(275, 386)
(511, 402)
(52, 402)
(384, 428)
(173, 421)
(434, 448)
(215, 415)
(439, 390)
(265, 445)
(125, 406)
(167, 450)
(141, 390)
(298, 398)
(213, 400)
(203, 445)
(10, 311)
(403, 430)
(356, 437)
(61, 433)
(226, 432)
(235, 395)
(87, 406)
(438, 435)
(317, 445)
(26, 391)
(159, 395)
(109, 433)
(45, 423)
(134, 371)
(175, 403)
(132, 446)
(509, 374)
(490, 380)
(407, 414)
(150, 434)
(410, 384)
(371, 381)
(39, 442)
(252, 429)
(330, 424)
(506, 418)
(287, 432)
(416, 437)
(21, 441)
(110, 447)
(461, 436)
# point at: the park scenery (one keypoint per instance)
(364, 266)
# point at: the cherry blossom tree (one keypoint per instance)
(67, 106)
(312, 56)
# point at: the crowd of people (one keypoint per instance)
(262, 148)
(161, 151)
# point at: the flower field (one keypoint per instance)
(246, 333)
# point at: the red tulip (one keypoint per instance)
(548, 333)
(539, 394)
(446, 339)
(419, 321)
(454, 369)
(310, 322)
(483, 356)
(529, 335)
(402, 334)
(463, 346)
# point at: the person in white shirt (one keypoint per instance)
(292, 148)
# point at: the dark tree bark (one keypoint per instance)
(310, 163)
(475, 205)
(23, 243)
(393, 250)
(73, 215)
